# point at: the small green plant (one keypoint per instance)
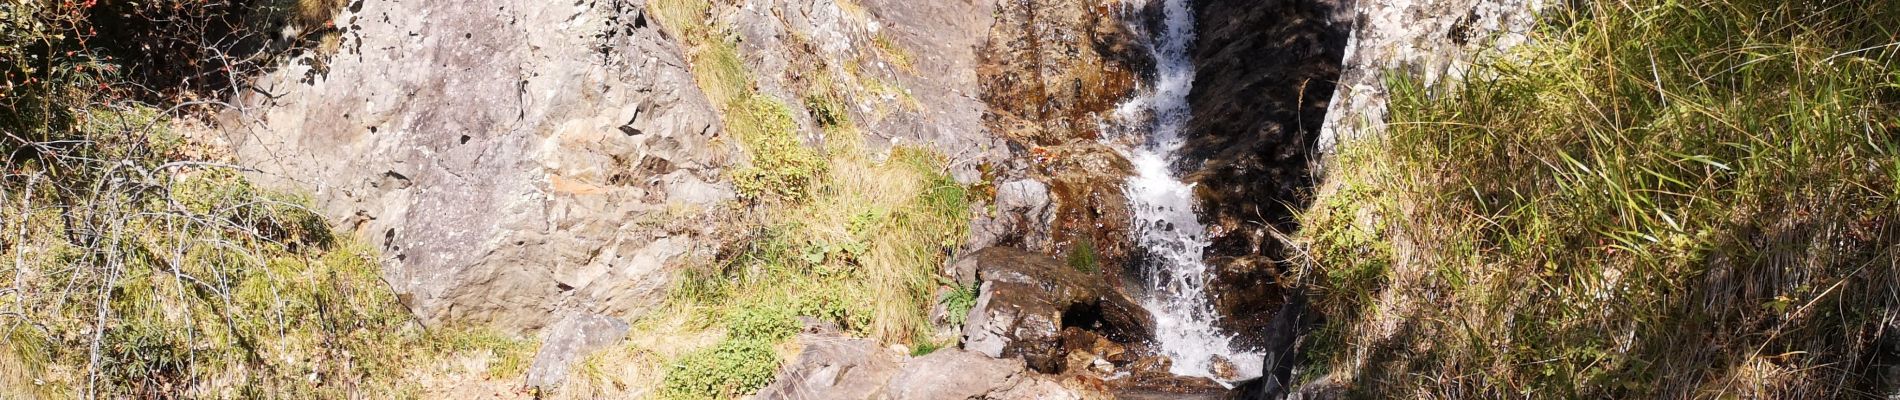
(1082, 257)
(731, 369)
(957, 305)
(781, 167)
(924, 348)
(770, 322)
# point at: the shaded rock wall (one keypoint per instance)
(510, 157)
(1265, 74)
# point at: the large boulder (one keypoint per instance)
(961, 375)
(1026, 299)
(834, 368)
(512, 158)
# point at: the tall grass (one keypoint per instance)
(1654, 199)
(836, 231)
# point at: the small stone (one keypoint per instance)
(1225, 369)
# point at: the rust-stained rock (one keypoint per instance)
(1052, 71)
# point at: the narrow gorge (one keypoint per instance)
(953, 199)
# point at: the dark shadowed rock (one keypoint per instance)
(1265, 76)
(1281, 348)
(1247, 293)
(568, 341)
(1027, 299)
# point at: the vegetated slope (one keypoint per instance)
(1653, 199)
(838, 233)
(135, 268)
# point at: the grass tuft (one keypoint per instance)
(1653, 199)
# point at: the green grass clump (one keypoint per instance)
(1653, 199)
(862, 253)
(733, 368)
(844, 236)
(782, 167)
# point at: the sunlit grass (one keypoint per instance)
(1653, 199)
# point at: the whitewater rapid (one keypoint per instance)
(1166, 222)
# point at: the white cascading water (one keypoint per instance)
(1167, 226)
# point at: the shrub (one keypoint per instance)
(731, 369)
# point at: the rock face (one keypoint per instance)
(1265, 75)
(1026, 301)
(1052, 70)
(1435, 38)
(511, 157)
(1021, 217)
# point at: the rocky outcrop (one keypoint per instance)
(1052, 71)
(1028, 299)
(1435, 39)
(511, 158)
(833, 367)
(1020, 216)
(904, 71)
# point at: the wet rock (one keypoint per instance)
(1027, 299)
(1093, 353)
(1246, 292)
(833, 367)
(1051, 68)
(1264, 77)
(568, 341)
(511, 159)
(1051, 71)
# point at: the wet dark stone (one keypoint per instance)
(1265, 72)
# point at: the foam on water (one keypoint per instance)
(1167, 226)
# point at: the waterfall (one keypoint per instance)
(1166, 223)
